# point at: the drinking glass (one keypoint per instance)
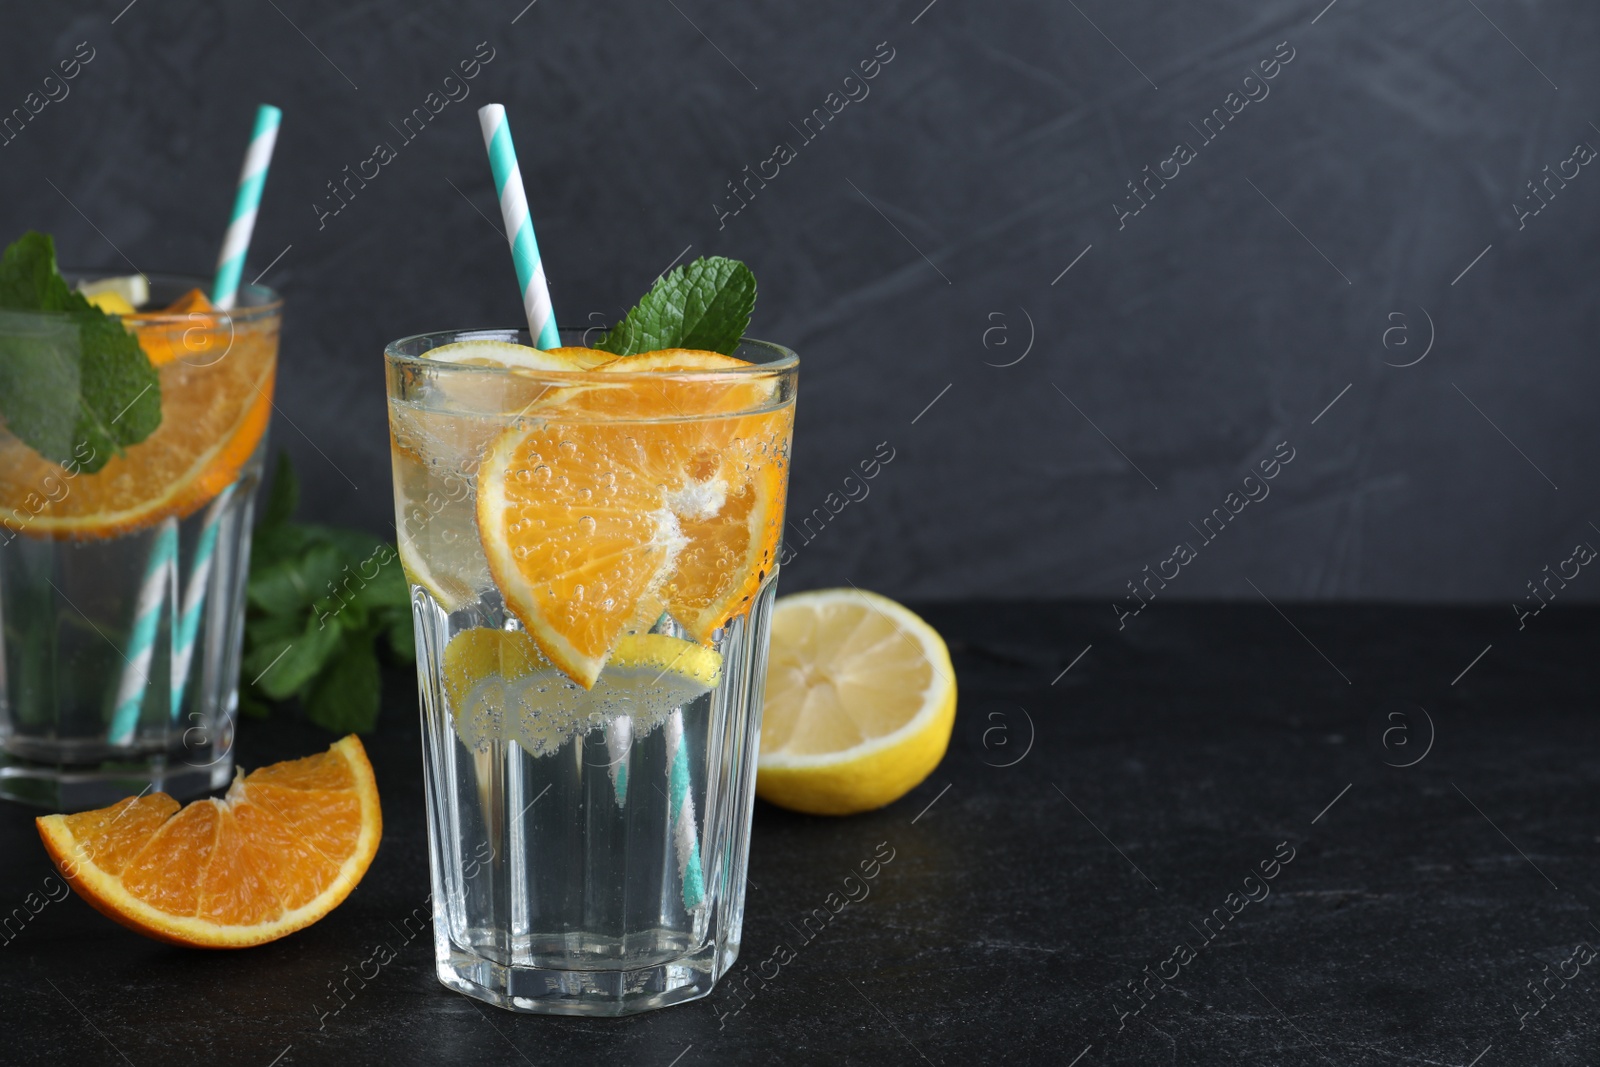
(588, 846)
(122, 590)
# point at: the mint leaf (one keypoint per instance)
(78, 403)
(705, 305)
(291, 586)
(264, 629)
(345, 698)
(119, 389)
(386, 588)
(357, 545)
(320, 599)
(39, 374)
(285, 666)
(29, 280)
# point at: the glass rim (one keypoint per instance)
(787, 359)
(271, 301)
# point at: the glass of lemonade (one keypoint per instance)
(121, 590)
(592, 550)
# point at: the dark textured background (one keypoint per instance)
(986, 158)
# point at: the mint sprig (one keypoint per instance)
(318, 601)
(77, 389)
(705, 304)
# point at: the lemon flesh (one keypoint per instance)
(111, 303)
(860, 703)
(117, 296)
(486, 352)
(436, 454)
(501, 689)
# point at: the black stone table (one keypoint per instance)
(1223, 835)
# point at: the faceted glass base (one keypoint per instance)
(548, 991)
(80, 786)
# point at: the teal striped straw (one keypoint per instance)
(162, 565)
(519, 226)
(140, 651)
(224, 294)
(542, 327)
(680, 814)
(253, 176)
(194, 600)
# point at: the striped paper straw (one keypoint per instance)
(680, 812)
(194, 599)
(135, 677)
(619, 743)
(230, 263)
(519, 226)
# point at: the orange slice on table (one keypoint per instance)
(285, 846)
(613, 494)
(214, 411)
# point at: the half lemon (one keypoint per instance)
(860, 703)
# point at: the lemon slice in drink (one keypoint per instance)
(452, 585)
(436, 453)
(435, 528)
(487, 352)
(501, 688)
(112, 303)
(861, 699)
(117, 296)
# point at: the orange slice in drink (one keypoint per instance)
(214, 411)
(190, 329)
(285, 846)
(693, 395)
(613, 493)
(193, 300)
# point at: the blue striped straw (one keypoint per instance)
(519, 226)
(230, 263)
(135, 678)
(194, 599)
(680, 813)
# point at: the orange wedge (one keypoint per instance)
(281, 850)
(190, 328)
(693, 395)
(214, 410)
(193, 300)
(616, 493)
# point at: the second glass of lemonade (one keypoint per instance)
(592, 549)
(122, 588)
